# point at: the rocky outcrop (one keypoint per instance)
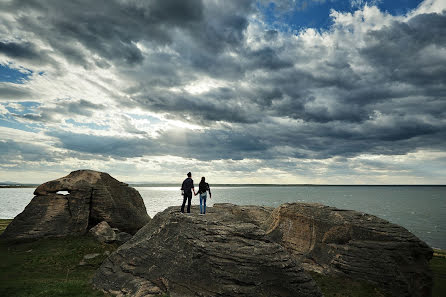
(92, 197)
(361, 246)
(223, 253)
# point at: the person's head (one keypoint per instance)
(189, 174)
(203, 179)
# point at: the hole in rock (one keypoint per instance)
(62, 192)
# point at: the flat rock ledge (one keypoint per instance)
(260, 251)
(92, 197)
(219, 254)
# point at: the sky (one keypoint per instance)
(239, 91)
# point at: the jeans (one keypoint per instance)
(187, 196)
(203, 202)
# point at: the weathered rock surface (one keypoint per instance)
(122, 237)
(354, 244)
(103, 232)
(93, 197)
(220, 254)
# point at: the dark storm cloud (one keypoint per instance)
(65, 109)
(17, 50)
(11, 92)
(217, 105)
(345, 112)
(403, 51)
(107, 28)
(25, 51)
(268, 59)
(12, 151)
(199, 145)
(340, 93)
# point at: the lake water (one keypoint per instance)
(420, 209)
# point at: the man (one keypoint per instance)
(186, 187)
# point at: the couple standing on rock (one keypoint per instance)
(186, 191)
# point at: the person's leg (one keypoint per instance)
(201, 199)
(204, 203)
(184, 202)
(189, 199)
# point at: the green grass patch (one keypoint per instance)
(3, 224)
(438, 266)
(50, 267)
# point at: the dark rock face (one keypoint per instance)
(354, 244)
(93, 197)
(219, 254)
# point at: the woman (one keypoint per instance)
(203, 187)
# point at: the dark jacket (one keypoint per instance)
(187, 185)
(203, 187)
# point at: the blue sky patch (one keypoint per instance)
(12, 75)
(151, 119)
(25, 107)
(9, 122)
(314, 14)
(87, 125)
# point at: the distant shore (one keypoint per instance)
(17, 186)
(236, 185)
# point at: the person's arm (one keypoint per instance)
(209, 189)
(193, 187)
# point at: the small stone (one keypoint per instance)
(91, 256)
(103, 232)
(88, 257)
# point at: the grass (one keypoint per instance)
(49, 267)
(438, 266)
(3, 224)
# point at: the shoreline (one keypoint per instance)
(18, 186)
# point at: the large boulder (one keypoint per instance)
(350, 243)
(221, 253)
(92, 197)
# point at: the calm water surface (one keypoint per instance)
(421, 210)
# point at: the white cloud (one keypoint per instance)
(429, 6)
(3, 110)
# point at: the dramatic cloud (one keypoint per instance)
(218, 84)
